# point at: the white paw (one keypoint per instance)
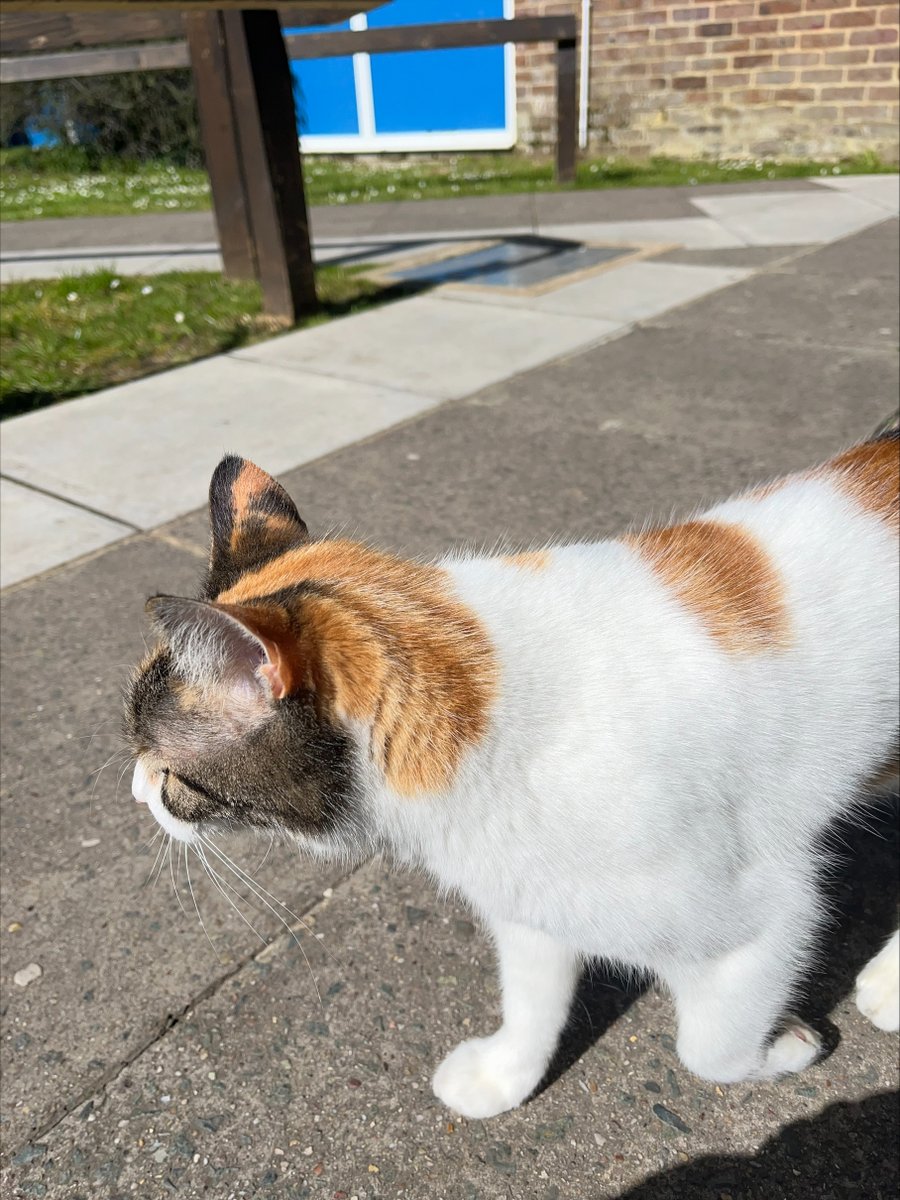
(486, 1076)
(794, 1049)
(878, 987)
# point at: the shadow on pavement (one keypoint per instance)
(849, 1149)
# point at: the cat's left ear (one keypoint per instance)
(229, 645)
(252, 520)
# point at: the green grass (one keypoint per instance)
(65, 337)
(58, 183)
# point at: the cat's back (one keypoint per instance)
(764, 624)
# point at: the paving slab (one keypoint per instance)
(92, 449)
(39, 532)
(48, 266)
(739, 256)
(654, 422)
(431, 346)
(852, 310)
(871, 255)
(790, 218)
(118, 959)
(697, 233)
(882, 190)
(639, 290)
(260, 1090)
(355, 220)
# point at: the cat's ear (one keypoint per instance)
(229, 645)
(252, 520)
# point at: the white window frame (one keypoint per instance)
(370, 141)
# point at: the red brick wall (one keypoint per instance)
(727, 78)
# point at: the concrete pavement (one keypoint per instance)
(140, 1062)
(78, 475)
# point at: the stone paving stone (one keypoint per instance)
(639, 290)
(40, 532)
(429, 346)
(739, 256)
(871, 255)
(790, 218)
(696, 232)
(883, 190)
(853, 311)
(100, 451)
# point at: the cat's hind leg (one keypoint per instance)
(878, 987)
(732, 1018)
(487, 1076)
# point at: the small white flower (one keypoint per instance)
(114, 283)
(146, 289)
(77, 335)
(72, 296)
(179, 318)
(38, 293)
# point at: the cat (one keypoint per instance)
(628, 749)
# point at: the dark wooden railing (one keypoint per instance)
(245, 99)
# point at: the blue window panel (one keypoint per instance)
(438, 90)
(324, 90)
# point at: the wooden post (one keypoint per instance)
(206, 41)
(253, 155)
(566, 110)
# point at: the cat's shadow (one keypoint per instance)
(862, 889)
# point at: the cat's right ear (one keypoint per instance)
(252, 520)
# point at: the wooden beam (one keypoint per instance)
(76, 64)
(221, 149)
(312, 12)
(449, 35)
(262, 100)
(48, 30)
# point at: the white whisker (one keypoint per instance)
(258, 891)
(187, 872)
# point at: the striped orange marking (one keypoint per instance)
(530, 560)
(870, 475)
(724, 577)
(251, 481)
(388, 644)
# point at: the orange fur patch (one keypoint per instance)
(724, 577)
(250, 483)
(870, 475)
(531, 560)
(386, 643)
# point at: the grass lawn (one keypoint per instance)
(57, 182)
(62, 338)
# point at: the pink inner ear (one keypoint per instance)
(276, 683)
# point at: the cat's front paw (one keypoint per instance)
(486, 1076)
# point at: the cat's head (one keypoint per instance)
(226, 715)
(305, 673)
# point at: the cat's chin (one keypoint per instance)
(182, 831)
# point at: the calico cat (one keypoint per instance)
(628, 749)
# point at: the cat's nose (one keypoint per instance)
(144, 785)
